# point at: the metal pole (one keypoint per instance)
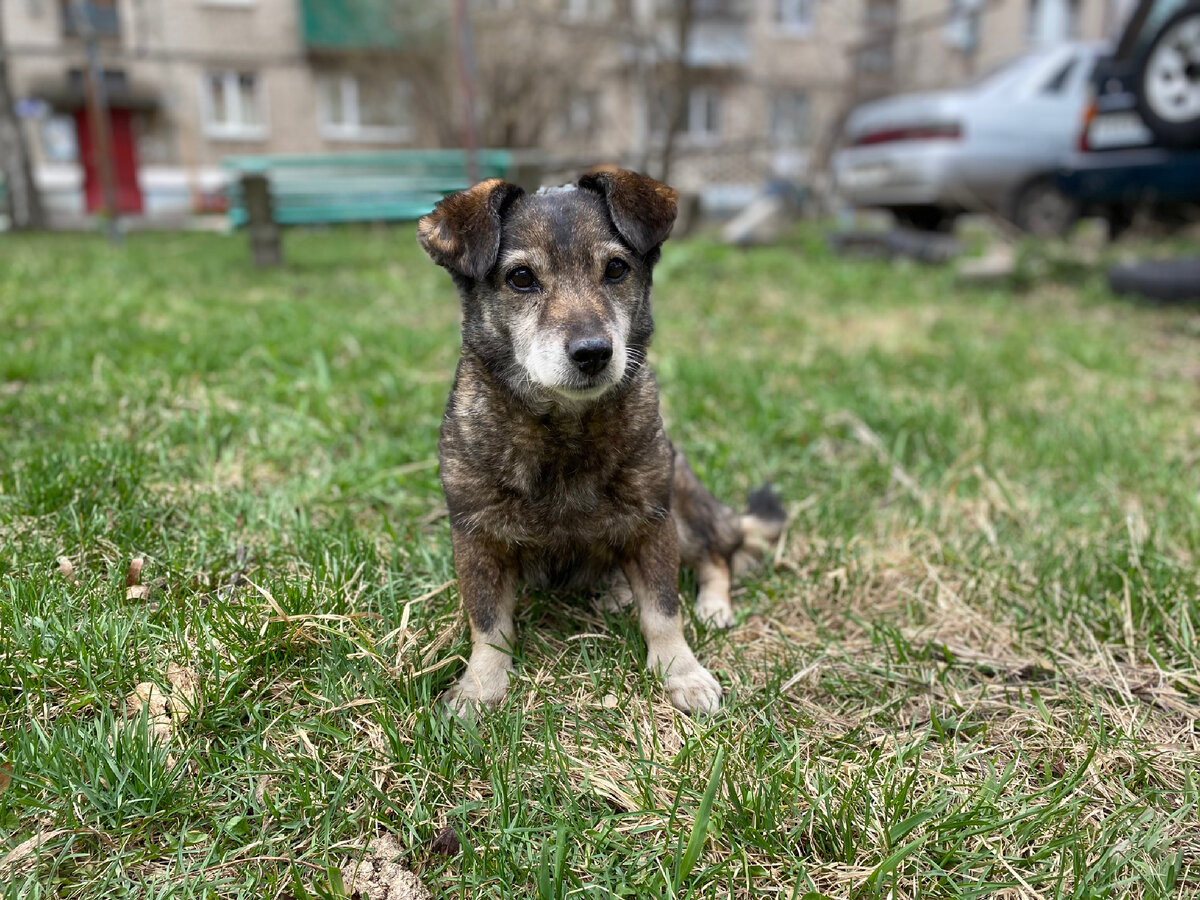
(98, 118)
(467, 77)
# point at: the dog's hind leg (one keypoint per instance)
(714, 606)
(709, 535)
(652, 568)
(487, 585)
(614, 593)
(719, 544)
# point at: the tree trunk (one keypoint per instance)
(24, 203)
(683, 86)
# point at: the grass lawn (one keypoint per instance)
(971, 671)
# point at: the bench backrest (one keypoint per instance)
(359, 187)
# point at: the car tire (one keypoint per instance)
(1167, 80)
(925, 218)
(1041, 208)
(1166, 281)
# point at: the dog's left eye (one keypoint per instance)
(522, 279)
(615, 270)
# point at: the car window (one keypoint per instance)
(1061, 77)
(1003, 73)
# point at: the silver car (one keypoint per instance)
(992, 146)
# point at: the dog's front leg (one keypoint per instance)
(653, 573)
(487, 585)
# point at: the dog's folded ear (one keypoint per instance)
(642, 209)
(462, 233)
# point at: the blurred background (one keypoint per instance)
(371, 109)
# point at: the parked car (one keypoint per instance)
(1139, 145)
(993, 146)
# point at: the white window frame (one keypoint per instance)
(353, 129)
(790, 97)
(797, 18)
(235, 130)
(697, 130)
(581, 114)
(586, 10)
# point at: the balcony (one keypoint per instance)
(101, 18)
(717, 37)
(717, 43)
(344, 25)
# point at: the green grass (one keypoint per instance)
(972, 671)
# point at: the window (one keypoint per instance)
(100, 16)
(585, 10)
(704, 113)
(364, 109)
(59, 143)
(703, 8)
(795, 15)
(116, 82)
(582, 114)
(701, 114)
(789, 118)
(1061, 77)
(878, 53)
(963, 29)
(233, 106)
(1052, 21)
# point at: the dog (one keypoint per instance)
(555, 464)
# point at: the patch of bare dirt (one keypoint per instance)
(376, 876)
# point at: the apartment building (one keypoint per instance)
(191, 82)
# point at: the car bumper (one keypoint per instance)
(1130, 177)
(921, 174)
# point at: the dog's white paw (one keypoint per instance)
(714, 610)
(615, 594)
(470, 694)
(694, 690)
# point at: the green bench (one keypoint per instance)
(321, 189)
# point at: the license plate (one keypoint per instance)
(1124, 129)
(867, 176)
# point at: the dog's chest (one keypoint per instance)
(564, 489)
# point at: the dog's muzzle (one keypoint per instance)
(590, 355)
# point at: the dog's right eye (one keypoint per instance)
(521, 279)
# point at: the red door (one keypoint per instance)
(129, 195)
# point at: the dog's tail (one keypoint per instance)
(761, 525)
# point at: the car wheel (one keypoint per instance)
(1119, 220)
(1042, 209)
(1167, 84)
(925, 218)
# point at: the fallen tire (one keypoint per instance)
(923, 246)
(1166, 281)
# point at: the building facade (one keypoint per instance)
(763, 83)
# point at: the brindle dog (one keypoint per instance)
(556, 468)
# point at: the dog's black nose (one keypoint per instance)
(590, 355)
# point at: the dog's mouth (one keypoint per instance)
(574, 380)
(582, 393)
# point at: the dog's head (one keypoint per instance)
(555, 285)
